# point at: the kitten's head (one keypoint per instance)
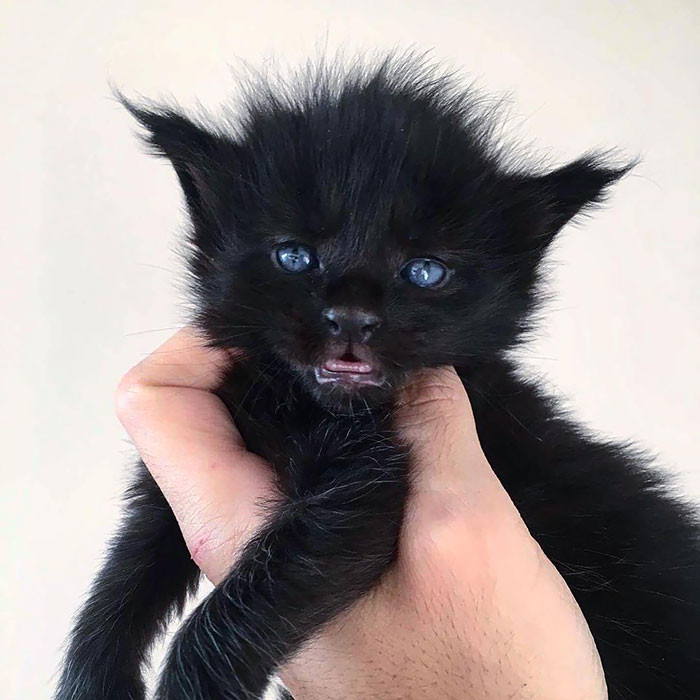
(356, 228)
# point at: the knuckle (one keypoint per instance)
(441, 524)
(130, 393)
(438, 403)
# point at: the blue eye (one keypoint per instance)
(295, 257)
(424, 272)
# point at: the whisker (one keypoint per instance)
(153, 330)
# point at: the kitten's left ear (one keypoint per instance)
(541, 205)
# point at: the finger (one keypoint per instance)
(434, 415)
(184, 359)
(435, 418)
(187, 439)
(459, 516)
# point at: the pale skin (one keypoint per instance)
(472, 609)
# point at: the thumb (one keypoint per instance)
(434, 417)
(188, 441)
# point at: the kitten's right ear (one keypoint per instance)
(195, 153)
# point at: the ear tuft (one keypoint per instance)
(579, 185)
(192, 150)
(538, 206)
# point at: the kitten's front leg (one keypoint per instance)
(319, 555)
(145, 578)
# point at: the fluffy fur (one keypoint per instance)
(372, 167)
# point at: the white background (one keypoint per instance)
(89, 225)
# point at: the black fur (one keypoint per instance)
(373, 167)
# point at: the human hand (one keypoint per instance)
(471, 609)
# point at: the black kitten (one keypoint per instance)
(346, 232)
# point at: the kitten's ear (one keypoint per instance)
(195, 153)
(541, 205)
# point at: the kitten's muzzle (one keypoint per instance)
(347, 362)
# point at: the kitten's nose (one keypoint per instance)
(356, 324)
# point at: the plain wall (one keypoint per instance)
(90, 225)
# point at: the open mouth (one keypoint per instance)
(348, 373)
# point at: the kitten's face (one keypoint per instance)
(357, 272)
(364, 231)
(354, 309)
